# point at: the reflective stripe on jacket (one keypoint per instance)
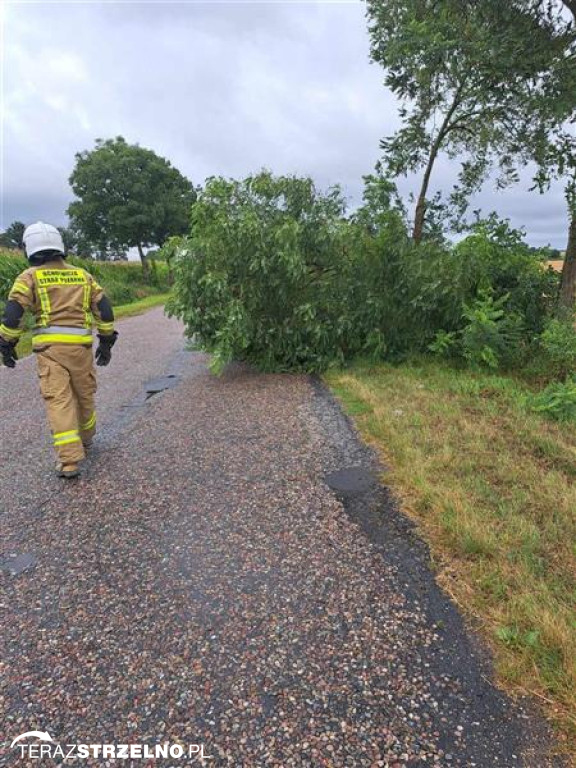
(58, 334)
(64, 299)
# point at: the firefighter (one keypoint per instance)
(66, 301)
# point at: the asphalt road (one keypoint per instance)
(215, 578)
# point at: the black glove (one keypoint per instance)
(8, 352)
(104, 351)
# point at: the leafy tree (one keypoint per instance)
(128, 196)
(169, 252)
(12, 237)
(464, 73)
(69, 238)
(75, 242)
(262, 275)
(381, 204)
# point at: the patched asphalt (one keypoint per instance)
(229, 571)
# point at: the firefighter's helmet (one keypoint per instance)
(41, 237)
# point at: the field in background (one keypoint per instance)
(492, 487)
(557, 265)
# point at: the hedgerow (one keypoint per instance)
(273, 272)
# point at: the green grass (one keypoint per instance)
(24, 347)
(491, 484)
(140, 306)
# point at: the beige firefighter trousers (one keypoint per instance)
(68, 383)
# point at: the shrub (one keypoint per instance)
(11, 264)
(263, 275)
(557, 401)
(558, 348)
(494, 258)
(444, 343)
(491, 336)
(414, 293)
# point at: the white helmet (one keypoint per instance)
(42, 237)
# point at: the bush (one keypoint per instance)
(263, 275)
(409, 294)
(558, 348)
(557, 401)
(490, 337)
(11, 264)
(495, 258)
(444, 343)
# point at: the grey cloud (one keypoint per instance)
(222, 18)
(217, 88)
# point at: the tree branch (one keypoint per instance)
(434, 149)
(446, 123)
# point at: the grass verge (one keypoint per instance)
(493, 488)
(24, 347)
(140, 306)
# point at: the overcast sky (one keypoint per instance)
(217, 88)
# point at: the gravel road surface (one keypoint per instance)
(228, 572)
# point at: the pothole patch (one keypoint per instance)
(350, 481)
(160, 384)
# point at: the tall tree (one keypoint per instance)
(128, 197)
(12, 236)
(555, 155)
(554, 146)
(463, 73)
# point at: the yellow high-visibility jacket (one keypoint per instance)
(64, 300)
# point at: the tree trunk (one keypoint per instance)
(144, 260)
(445, 128)
(568, 281)
(420, 213)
